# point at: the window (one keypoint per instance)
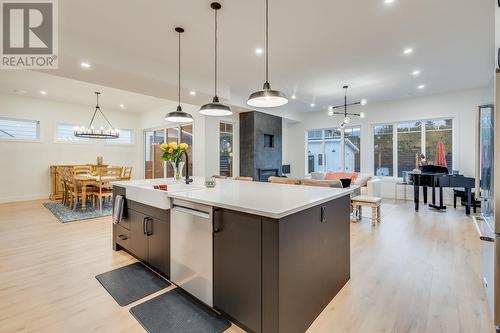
(397, 145)
(154, 167)
(383, 150)
(438, 142)
(226, 149)
(126, 138)
(333, 149)
(409, 145)
(352, 148)
(17, 129)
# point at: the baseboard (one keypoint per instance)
(24, 198)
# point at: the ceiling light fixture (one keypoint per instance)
(259, 51)
(192, 93)
(294, 97)
(389, 1)
(85, 65)
(416, 72)
(312, 105)
(103, 132)
(363, 102)
(179, 116)
(346, 115)
(122, 106)
(421, 86)
(408, 51)
(267, 97)
(43, 92)
(215, 108)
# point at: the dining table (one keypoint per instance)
(85, 180)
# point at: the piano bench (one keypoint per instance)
(367, 201)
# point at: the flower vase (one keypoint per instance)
(177, 170)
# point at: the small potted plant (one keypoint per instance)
(172, 152)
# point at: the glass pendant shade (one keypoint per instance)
(179, 116)
(267, 98)
(215, 109)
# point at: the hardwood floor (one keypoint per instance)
(415, 272)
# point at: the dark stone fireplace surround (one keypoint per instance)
(260, 145)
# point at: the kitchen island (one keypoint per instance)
(270, 257)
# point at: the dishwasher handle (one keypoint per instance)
(193, 212)
(482, 236)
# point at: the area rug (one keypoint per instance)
(65, 214)
(131, 283)
(177, 312)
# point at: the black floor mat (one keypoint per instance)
(131, 283)
(177, 312)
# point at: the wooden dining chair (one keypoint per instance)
(127, 173)
(248, 179)
(79, 169)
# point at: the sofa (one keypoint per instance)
(368, 183)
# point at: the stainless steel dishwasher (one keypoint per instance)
(191, 249)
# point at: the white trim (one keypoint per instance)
(18, 198)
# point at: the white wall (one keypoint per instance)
(205, 137)
(25, 173)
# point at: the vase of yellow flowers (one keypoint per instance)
(172, 152)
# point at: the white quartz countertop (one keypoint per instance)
(265, 199)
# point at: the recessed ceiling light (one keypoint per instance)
(294, 97)
(362, 115)
(388, 1)
(408, 51)
(85, 65)
(364, 101)
(192, 93)
(43, 92)
(421, 86)
(259, 51)
(312, 105)
(416, 72)
(122, 106)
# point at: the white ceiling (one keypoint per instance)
(28, 83)
(316, 47)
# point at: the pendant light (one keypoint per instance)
(179, 116)
(215, 108)
(267, 97)
(93, 133)
(346, 114)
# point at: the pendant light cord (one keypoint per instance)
(179, 73)
(345, 103)
(216, 52)
(97, 108)
(267, 40)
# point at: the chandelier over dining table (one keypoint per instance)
(103, 132)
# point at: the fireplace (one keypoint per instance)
(264, 174)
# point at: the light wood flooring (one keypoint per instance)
(415, 272)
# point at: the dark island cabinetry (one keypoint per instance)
(145, 233)
(277, 275)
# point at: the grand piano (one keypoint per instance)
(437, 176)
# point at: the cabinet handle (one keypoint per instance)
(216, 225)
(122, 237)
(149, 226)
(144, 225)
(323, 214)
